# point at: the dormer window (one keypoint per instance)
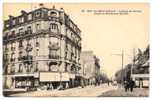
(52, 14)
(37, 14)
(21, 30)
(14, 22)
(21, 20)
(30, 17)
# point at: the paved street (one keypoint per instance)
(138, 92)
(87, 91)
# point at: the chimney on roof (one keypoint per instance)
(10, 16)
(61, 9)
(41, 5)
(53, 7)
(23, 12)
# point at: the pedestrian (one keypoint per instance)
(126, 86)
(82, 82)
(131, 84)
(108, 83)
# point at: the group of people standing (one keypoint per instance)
(129, 85)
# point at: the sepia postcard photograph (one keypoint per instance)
(75, 49)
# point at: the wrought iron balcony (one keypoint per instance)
(14, 35)
(28, 59)
(20, 34)
(54, 56)
(53, 18)
(29, 47)
(53, 46)
(28, 32)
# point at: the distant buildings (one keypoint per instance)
(138, 69)
(40, 48)
(90, 67)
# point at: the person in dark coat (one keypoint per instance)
(126, 86)
(131, 85)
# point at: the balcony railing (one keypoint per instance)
(20, 58)
(53, 56)
(14, 35)
(54, 19)
(28, 32)
(29, 47)
(53, 46)
(27, 59)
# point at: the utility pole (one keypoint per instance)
(122, 64)
(133, 62)
(122, 67)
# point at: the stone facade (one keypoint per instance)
(44, 40)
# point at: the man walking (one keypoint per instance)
(131, 84)
(126, 86)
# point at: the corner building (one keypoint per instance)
(40, 48)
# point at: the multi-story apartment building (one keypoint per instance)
(90, 67)
(41, 47)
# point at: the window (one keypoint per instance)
(36, 67)
(21, 19)
(30, 17)
(14, 22)
(5, 35)
(53, 26)
(54, 40)
(13, 33)
(37, 44)
(21, 30)
(52, 14)
(12, 57)
(53, 54)
(20, 43)
(38, 27)
(29, 28)
(20, 68)
(6, 24)
(20, 54)
(37, 14)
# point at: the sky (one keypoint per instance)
(105, 35)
